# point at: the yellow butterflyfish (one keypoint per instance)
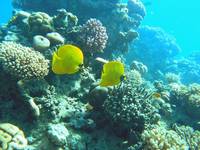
(67, 60)
(112, 74)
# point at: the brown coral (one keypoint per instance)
(22, 62)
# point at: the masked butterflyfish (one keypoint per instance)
(67, 60)
(112, 74)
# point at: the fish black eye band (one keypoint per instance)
(81, 67)
(122, 78)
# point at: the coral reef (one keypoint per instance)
(172, 78)
(187, 68)
(93, 36)
(162, 139)
(120, 30)
(136, 10)
(190, 135)
(162, 44)
(151, 108)
(40, 23)
(57, 133)
(129, 107)
(22, 62)
(139, 66)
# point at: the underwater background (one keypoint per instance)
(99, 75)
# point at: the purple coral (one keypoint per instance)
(93, 35)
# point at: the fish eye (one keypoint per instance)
(81, 65)
(122, 78)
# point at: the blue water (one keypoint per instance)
(6, 11)
(177, 17)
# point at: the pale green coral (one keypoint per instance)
(160, 138)
(23, 62)
(191, 136)
(11, 137)
(193, 101)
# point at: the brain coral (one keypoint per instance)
(22, 62)
(93, 35)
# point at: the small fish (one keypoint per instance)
(68, 59)
(112, 74)
(156, 95)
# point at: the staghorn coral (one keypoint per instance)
(160, 138)
(93, 36)
(22, 62)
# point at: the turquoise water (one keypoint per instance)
(179, 18)
(176, 17)
(6, 11)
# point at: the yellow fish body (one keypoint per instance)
(112, 73)
(67, 60)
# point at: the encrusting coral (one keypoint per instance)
(23, 62)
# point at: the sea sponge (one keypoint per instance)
(22, 62)
(55, 38)
(40, 43)
(93, 36)
(159, 138)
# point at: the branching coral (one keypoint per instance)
(22, 62)
(93, 36)
(129, 106)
